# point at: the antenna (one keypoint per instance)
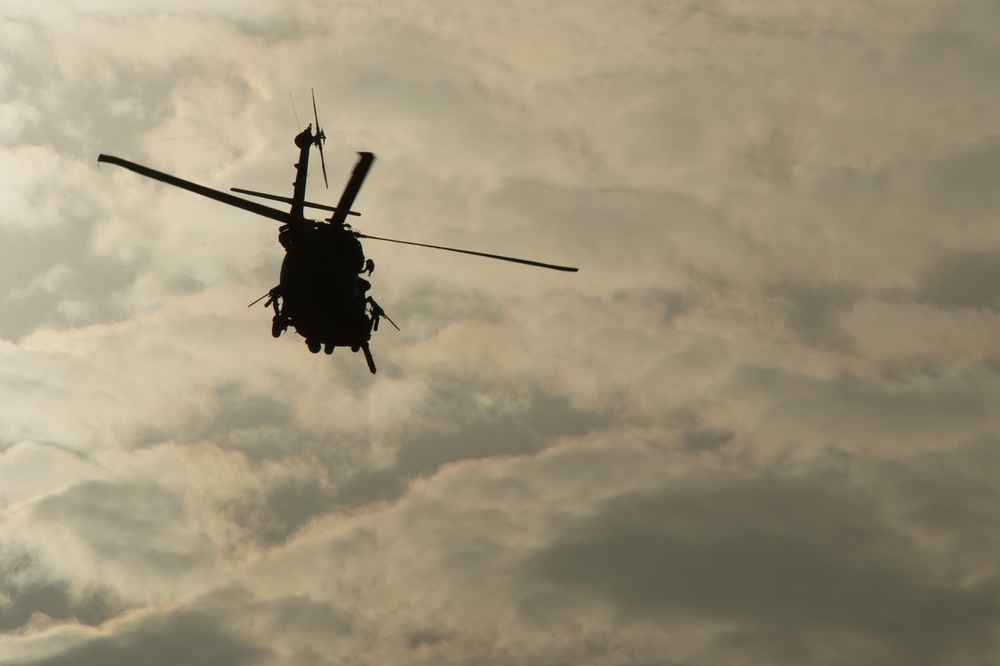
(292, 100)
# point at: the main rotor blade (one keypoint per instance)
(288, 200)
(353, 186)
(225, 198)
(322, 162)
(527, 262)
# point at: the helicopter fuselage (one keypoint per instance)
(320, 292)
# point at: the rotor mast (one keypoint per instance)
(304, 140)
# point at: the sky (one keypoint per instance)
(758, 427)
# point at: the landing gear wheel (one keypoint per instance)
(314, 346)
(328, 348)
(278, 325)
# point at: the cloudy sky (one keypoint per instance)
(759, 426)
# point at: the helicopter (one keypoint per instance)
(321, 292)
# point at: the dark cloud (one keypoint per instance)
(800, 567)
(232, 416)
(272, 516)
(523, 422)
(187, 637)
(371, 487)
(30, 590)
(901, 369)
(812, 309)
(849, 410)
(305, 475)
(138, 526)
(969, 279)
(963, 182)
(672, 302)
(519, 422)
(952, 51)
(298, 615)
(950, 494)
(43, 270)
(924, 205)
(706, 438)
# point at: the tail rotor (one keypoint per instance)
(320, 139)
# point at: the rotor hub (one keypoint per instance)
(305, 138)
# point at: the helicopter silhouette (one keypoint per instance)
(321, 291)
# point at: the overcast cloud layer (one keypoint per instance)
(759, 427)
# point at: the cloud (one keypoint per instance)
(755, 428)
(580, 550)
(139, 536)
(849, 411)
(189, 637)
(963, 280)
(31, 598)
(803, 566)
(813, 309)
